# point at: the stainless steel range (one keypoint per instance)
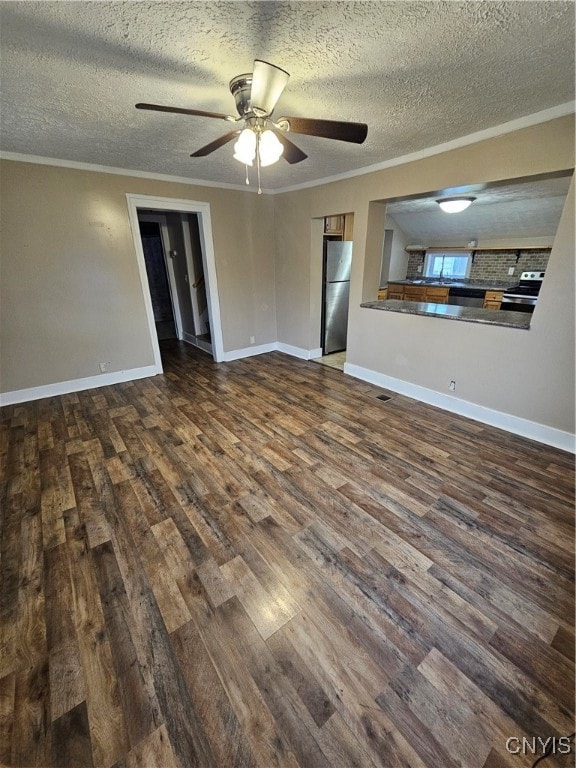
(522, 297)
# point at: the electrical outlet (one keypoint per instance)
(252, 340)
(452, 386)
(104, 366)
(510, 270)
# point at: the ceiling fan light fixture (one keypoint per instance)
(245, 147)
(256, 95)
(455, 204)
(269, 148)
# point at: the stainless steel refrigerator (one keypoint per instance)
(336, 294)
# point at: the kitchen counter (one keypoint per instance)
(481, 285)
(454, 312)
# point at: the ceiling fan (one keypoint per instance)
(260, 137)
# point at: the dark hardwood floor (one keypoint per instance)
(259, 563)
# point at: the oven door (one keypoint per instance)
(518, 303)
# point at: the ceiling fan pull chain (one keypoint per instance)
(258, 164)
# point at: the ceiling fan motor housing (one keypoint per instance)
(241, 88)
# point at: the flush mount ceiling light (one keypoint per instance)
(259, 137)
(455, 204)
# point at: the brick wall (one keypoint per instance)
(415, 260)
(492, 265)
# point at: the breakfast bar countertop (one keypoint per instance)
(454, 312)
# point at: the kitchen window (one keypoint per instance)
(449, 264)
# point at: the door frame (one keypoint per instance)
(148, 202)
(160, 219)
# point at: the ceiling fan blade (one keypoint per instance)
(328, 129)
(216, 144)
(268, 82)
(181, 111)
(292, 154)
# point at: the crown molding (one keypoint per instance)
(562, 110)
(546, 115)
(74, 164)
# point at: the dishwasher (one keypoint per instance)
(466, 297)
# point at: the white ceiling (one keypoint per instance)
(520, 210)
(419, 73)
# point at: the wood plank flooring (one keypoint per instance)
(259, 564)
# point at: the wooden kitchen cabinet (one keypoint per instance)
(431, 293)
(414, 293)
(395, 291)
(434, 294)
(493, 299)
(348, 227)
(334, 225)
(437, 295)
(343, 225)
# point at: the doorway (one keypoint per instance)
(155, 246)
(175, 272)
(175, 255)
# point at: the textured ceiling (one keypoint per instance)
(529, 209)
(419, 73)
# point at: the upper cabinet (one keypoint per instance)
(334, 225)
(342, 224)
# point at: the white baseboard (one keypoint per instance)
(77, 385)
(238, 354)
(194, 341)
(303, 354)
(116, 377)
(274, 346)
(518, 426)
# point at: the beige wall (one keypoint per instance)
(70, 290)
(70, 293)
(528, 374)
(398, 256)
